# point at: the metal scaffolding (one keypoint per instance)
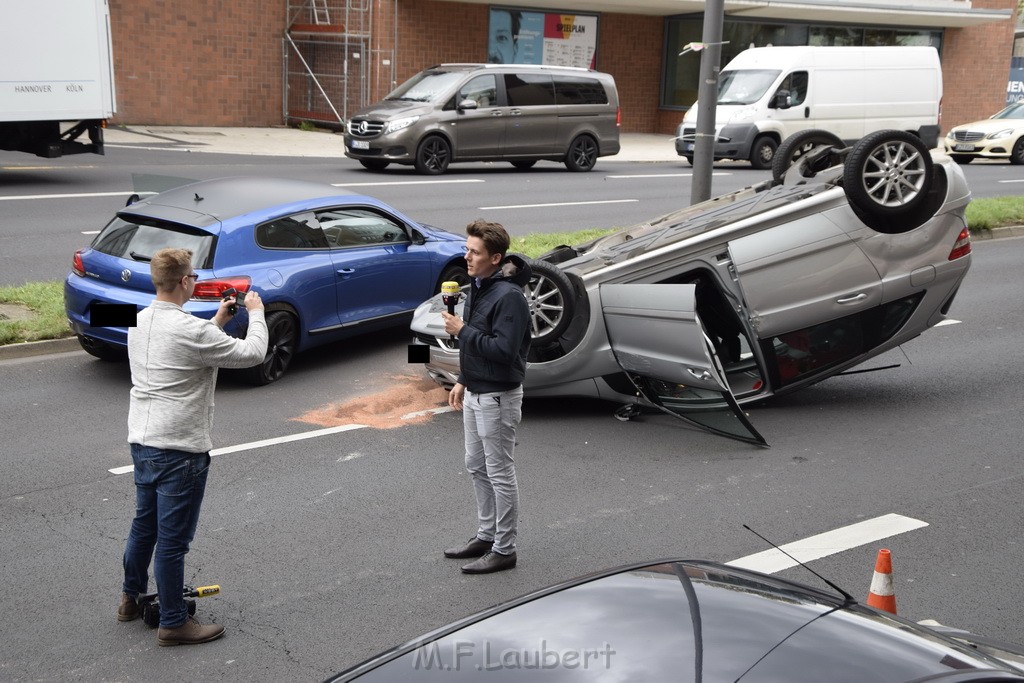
(330, 60)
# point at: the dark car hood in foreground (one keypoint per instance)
(678, 620)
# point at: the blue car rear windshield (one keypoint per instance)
(138, 241)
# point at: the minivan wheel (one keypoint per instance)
(524, 165)
(888, 173)
(798, 145)
(552, 300)
(582, 154)
(374, 164)
(283, 341)
(762, 152)
(103, 350)
(433, 155)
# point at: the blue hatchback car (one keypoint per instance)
(327, 264)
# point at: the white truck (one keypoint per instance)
(56, 76)
(766, 94)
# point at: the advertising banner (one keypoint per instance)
(524, 37)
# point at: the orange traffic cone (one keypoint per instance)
(882, 594)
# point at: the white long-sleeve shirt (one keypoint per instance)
(174, 358)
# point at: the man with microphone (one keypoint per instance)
(494, 341)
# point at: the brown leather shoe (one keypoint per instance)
(189, 633)
(473, 548)
(491, 562)
(128, 610)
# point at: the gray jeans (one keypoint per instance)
(490, 424)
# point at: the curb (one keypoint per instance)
(39, 348)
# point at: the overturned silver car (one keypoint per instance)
(845, 254)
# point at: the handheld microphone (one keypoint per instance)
(450, 296)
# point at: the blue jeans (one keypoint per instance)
(169, 488)
(490, 421)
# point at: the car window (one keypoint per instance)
(138, 240)
(529, 90)
(359, 227)
(745, 86)
(291, 232)
(577, 90)
(483, 90)
(796, 84)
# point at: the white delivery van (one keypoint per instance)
(765, 94)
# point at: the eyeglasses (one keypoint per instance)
(194, 276)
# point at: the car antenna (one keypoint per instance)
(198, 198)
(849, 598)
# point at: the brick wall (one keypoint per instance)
(975, 67)
(198, 62)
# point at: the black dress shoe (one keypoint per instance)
(473, 548)
(491, 562)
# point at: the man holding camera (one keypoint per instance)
(494, 341)
(174, 357)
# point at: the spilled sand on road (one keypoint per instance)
(384, 409)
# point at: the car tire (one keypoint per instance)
(1017, 153)
(103, 350)
(283, 331)
(433, 155)
(888, 174)
(552, 300)
(796, 146)
(582, 154)
(961, 158)
(689, 159)
(374, 164)
(762, 152)
(456, 273)
(523, 165)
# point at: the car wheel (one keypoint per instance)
(455, 273)
(582, 154)
(762, 152)
(1017, 154)
(796, 146)
(374, 164)
(524, 165)
(103, 350)
(961, 158)
(552, 300)
(689, 159)
(888, 173)
(433, 155)
(284, 339)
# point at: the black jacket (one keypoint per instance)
(495, 340)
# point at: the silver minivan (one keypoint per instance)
(490, 112)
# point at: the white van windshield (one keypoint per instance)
(746, 86)
(427, 86)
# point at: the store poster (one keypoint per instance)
(522, 37)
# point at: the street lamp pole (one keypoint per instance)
(707, 97)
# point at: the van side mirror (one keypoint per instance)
(467, 104)
(781, 100)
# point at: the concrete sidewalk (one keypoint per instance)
(292, 142)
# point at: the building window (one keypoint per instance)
(682, 72)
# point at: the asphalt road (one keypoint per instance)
(328, 549)
(51, 207)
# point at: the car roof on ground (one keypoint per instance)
(226, 198)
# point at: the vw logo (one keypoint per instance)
(126, 275)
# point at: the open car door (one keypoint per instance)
(659, 341)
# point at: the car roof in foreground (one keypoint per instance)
(678, 620)
(221, 199)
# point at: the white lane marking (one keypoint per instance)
(542, 206)
(408, 182)
(76, 195)
(1020, 180)
(301, 436)
(948, 321)
(829, 543)
(90, 232)
(660, 175)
